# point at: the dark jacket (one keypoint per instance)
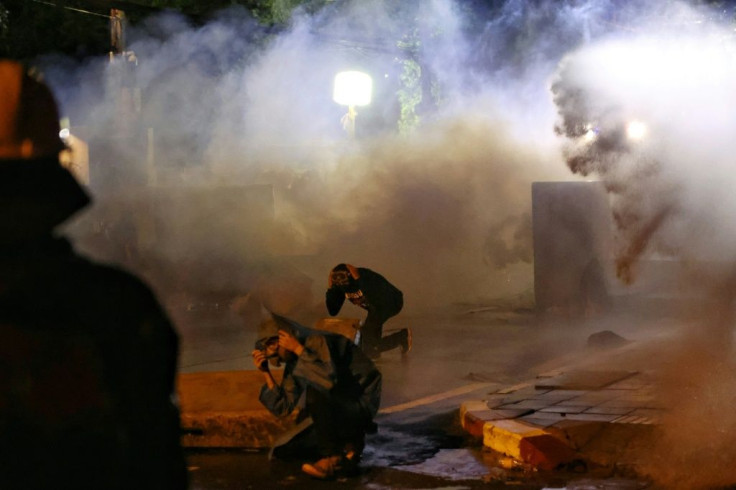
(87, 371)
(330, 363)
(382, 297)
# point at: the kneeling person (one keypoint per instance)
(341, 384)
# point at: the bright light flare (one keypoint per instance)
(352, 88)
(591, 134)
(636, 130)
(64, 134)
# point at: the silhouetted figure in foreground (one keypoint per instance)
(341, 388)
(87, 357)
(372, 292)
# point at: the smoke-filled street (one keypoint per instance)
(460, 353)
(470, 351)
(504, 178)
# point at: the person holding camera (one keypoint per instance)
(342, 389)
(372, 292)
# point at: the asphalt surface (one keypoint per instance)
(459, 353)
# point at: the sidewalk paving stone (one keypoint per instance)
(527, 404)
(570, 415)
(634, 419)
(594, 417)
(542, 419)
(497, 401)
(595, 397)
(518, 388)
(558, 395)
(583, 380)
(601, 410)
(564, 409)
(634, 401)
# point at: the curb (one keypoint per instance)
(564, 417)
(221, 409)
(255, 429)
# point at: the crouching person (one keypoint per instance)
(342, 389)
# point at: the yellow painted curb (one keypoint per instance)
(505, 436)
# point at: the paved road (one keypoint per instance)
(459, 353)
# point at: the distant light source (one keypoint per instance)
(591, 133)
(352, 88)
(636, 130)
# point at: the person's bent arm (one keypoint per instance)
(280, 400)
(334, 299)
(261, 363)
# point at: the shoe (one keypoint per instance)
(350, 463)
(332, 466)
(325, 468)
(406, 345)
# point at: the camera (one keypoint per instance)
(263, 345)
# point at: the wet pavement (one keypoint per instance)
(460, 353)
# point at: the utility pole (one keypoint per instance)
(125, 63)
(117, 31)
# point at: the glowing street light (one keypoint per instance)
(636, 130)
(352, 88)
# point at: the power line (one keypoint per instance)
(104, 5)
(72, 9)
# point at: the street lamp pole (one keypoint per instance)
(352, 88)
(348, 121)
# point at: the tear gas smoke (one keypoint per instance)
(676, 77)
(227, 105)
(443, 213)
(671, 197)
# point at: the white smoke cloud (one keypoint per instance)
(232, 103)
(673, 72)
(675, 75)
(443, 213)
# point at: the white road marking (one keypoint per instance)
(434, 398)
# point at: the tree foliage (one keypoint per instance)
(31, 28)
(81, 28)
(4, 28)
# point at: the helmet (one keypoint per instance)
(29, 119)
(36, 192)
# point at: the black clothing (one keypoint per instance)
(87, 357)
(36, 196)
(87, 368)
(381, 299)
(342, 388)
